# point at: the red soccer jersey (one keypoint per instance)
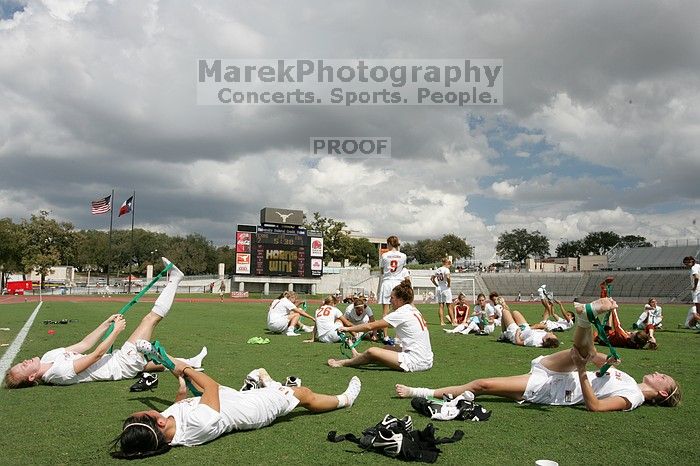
(461, 313)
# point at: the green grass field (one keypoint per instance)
(74, 425)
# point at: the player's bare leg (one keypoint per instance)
(508, 387)
(374, 354)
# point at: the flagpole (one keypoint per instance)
(109, 244)
(131, 259)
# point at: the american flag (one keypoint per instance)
(101, 206)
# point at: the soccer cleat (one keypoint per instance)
(307, 328)
(147, 381)
(292, 381)
(174, 273)
(252, 381)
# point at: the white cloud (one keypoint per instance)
(101, 95)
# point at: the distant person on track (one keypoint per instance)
(222, 290)
(75, 364)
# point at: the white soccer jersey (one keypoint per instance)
(694, 270)
(122, 363)
(279, 309)
(650, 316)
(442, 274)
(197, 423)
(356, 318)
(560, 324)
(392, 264)
(557, 388)
(412, 330)
(325, 320)
(533, 337)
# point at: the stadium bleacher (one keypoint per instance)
(640, 273)
(649, 258)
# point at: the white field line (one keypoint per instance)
(12, 351)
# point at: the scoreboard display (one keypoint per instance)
(277, 251)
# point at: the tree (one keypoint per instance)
(569, 249)
(192, 254)
(46, 243)
(358, 249)
(428, 251)
(227, 256)
(334, 237)
(634, 241)
(519, 244)
(10, 248)
(599, 242)
(453, 245)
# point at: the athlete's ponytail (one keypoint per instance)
(404, 291)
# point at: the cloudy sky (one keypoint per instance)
(600, 126)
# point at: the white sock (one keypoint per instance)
(421, 392)
(266, 380)
(348, 397)
(167, 296)
(196, 361)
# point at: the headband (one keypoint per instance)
(144, 425)
(670, 395)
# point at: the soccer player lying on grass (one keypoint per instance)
(559, 324)
(328, 321)
(218, 411)
(68, 366)
(561, 378)
(621, 338)
(415, 353)
(547, 299)
(284, 314)
(517, 331)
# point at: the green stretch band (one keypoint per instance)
(345, 346)
(603, 337)
(136, 298)
(161, 357)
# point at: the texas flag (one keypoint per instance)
(126, 206)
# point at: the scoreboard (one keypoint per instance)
(278, 251)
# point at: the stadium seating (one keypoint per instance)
(668, 285)
(661, 257)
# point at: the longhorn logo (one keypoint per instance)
(284, 217)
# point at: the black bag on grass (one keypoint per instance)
(396, 438)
